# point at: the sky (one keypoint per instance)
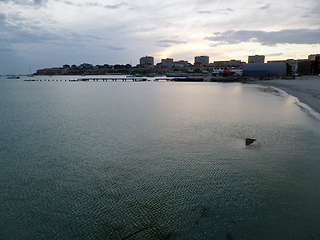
(36, 34)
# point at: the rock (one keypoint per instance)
(250, 141)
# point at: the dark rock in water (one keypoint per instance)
(229, 236)
(250, 141)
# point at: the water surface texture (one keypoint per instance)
(156, 160)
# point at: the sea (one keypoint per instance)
(156, 160)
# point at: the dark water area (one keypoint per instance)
(156, 160)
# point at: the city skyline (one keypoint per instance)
(47, 33)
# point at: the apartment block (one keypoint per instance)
(256, 59)
(168, 62)
(147, 61)
(203, 60)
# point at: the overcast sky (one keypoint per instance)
(49, 33)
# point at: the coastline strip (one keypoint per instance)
(306, 89)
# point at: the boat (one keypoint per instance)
(30, 75)
(13, 77)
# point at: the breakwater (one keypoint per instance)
(143, 79)
(89, 80)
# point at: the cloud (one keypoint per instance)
(115, 48)
(288, 36)
(225, 11)
(39, 2)
(166, 42)
(69, 3)
(3, 17)
(35, 3)
(204, 12)
(267, 6)
(116, 6)
(274, 54)
(94, 4)
(230, 10)
(311, 12)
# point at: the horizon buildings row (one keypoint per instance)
(308, 66)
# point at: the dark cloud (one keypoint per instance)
(3, 17)
(230, 10)
(39, 2)
(116, 6)
(274, 54)
(35, 3)
(27, 34)
(288, 36)
(69, 3)
(267, 6)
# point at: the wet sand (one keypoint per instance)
(305, 88)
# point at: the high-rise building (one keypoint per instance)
(204, 60)
(256, 59)
(147, 61)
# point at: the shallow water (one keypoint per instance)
(103, 160)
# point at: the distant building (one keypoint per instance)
(50, 71)
(293, 63)
(264, 69)
(203, 60)
(256, 59)
(310, 66)
(147, 61)
(66, 66)
(304, 66)
(181, 63)
(168, 62)
(313, 57)
(227, 64)
(85, 66)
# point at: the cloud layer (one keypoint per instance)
(76, 31)
(287, 36)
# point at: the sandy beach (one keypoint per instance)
(305, 88)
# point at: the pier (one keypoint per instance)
(93, 79)
(133, 79)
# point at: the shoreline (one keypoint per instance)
(305, 88)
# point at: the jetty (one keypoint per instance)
(92, 79)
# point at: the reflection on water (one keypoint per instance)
(156, 161)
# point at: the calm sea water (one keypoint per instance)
(156, 160)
